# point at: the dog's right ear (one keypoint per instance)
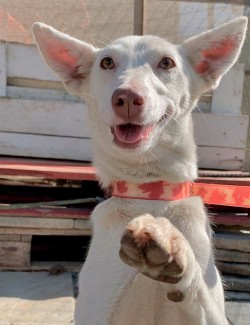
(69, 58)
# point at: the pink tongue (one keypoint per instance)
(130, 133)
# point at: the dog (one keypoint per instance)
(151, 257)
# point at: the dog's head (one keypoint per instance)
(140, 89)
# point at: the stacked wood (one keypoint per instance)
(42, 198)
(52, 197)
(232, 242)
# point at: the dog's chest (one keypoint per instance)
(142, 302)
(123, 295)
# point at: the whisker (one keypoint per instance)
(196, 106)
(89, 95)
(96, 41)
(171, 117)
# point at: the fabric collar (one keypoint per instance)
(214, 194)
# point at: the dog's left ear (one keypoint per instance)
(213, 53)
(70, 59)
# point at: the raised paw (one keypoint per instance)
(155, 247)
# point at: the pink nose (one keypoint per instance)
(127, 104)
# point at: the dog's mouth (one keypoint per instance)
(131, 135)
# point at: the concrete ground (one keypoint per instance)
(38, 298)
(238, 312)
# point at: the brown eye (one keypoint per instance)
(107, 63)
(166, 63)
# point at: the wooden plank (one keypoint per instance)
(26, 62)
(45, 232)
(30, 145)
(224, 177)
(82, 224)
(20, 180)
(233, 241)
(224, 131)
(227, 97)
(47, 169)
(39, 93)
(60, 118)
(26, 238)
(45, 267)
(234, 295)
(3, 75)
(231, 219)
(221, 158)
(225, 255)
(34, 83)
(14, 253)
(15, 238)
(45, 223)
(235, 283)
(234, 268)
(57, 213)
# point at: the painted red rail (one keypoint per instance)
(46, 169)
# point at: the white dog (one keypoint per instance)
(151, 258)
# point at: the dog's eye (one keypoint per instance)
(107, 63)
(166, 63)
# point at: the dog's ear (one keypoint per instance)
(213, 53)
(69, 58)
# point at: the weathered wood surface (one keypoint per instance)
(225, 255)
(224, 177)
(233, 241)
(225, 131)
(234, 268)
(36, 266)
(32, 145)
(28, 181)
(237, 283)
(46, 117)
(227, 97)
(3, 72)
(15, 238)
(25, 61)
(235, 295)
(57, 213)
(45, 231)
(19, 92)
(220, 158)
(231, 219)
(14, 253)
(44, 223)
(10, 238)
(82, 224)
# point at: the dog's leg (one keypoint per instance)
(160, 251)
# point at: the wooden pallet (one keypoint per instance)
(45, 180)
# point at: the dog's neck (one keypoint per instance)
(175, 164)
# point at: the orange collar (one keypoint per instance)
(216, 194)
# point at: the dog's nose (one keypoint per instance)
(127, 103)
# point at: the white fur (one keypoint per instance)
(112, 292)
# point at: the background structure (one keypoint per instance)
(99, 22)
